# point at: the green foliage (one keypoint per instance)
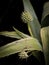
(26, 43)
(34, 25)
(45, 43)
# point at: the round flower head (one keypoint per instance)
(26, 17)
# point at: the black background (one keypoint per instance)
(10, 12)
(10, 15)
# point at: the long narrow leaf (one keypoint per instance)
(45, 42)
(14, 34)
(34, 24)
(22, 35)
(11, 34)
(27, 44)
(45, 15)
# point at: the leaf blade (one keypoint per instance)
(22, 35)
(45, 42)
(11, 34)
(34, 25)
(29, 44)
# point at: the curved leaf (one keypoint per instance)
(27, 44)
(45, 15)
(45, 43)
(14, 34)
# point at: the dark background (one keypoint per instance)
(10, 12)
(10, 15)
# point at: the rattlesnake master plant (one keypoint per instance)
(37, 41)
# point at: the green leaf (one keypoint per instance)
(11, 34)
(14, 34)
(26, 44)
(45, 43)
(22, 35)
(33, 30)
(45, 15)
(34, 25)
